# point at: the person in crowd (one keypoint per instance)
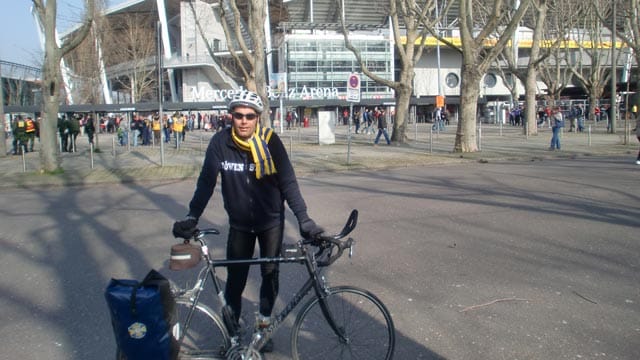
(19, 132)
(608, 109)
(356, 120)
(31, 132)
(156, 126)
(257, 177)
(123, 133)
(289, 119)
(90, 129)
(178, 127)
(438, 120)
(637, 130)
(63, 131)
(557, 123)
(168, 125)
(74, 130)
(382, 127)
(146, 132)
(136, 129)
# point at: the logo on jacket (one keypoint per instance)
(237, 167)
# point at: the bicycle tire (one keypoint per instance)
(206, 336)
(364, 318)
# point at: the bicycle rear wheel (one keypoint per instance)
(204, 337)
(365, 320)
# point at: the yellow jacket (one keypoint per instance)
(178, 124)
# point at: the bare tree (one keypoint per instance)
(629, 12)
(86, 73)
(539, 9)
(131, 39)
(419, 20)
(230, 68)
(51, 76)
(3, 143)
(592, 59)
(481, 21)
(546, 40)
(556, 70)
(250, 58)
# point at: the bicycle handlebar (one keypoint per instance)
(325, 243)
(328, 242)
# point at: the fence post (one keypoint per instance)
(291, 146)
(24, 161)
(430, 140)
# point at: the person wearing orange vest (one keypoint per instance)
(31, 131)
(178, 127)
(156, 127)
(18, 129)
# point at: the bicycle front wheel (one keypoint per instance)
(360, 315)
(204, 336)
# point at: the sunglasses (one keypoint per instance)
(239, 116)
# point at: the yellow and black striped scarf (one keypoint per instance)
(257, 145)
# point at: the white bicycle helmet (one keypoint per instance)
(246, 98)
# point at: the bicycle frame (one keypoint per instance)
(315, 282)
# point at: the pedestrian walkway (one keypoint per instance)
(114, 163)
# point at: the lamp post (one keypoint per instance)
(614, 80)
(160, 83)
(438, 48)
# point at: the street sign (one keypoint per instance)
(353, 88)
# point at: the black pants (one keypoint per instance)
(240, 245)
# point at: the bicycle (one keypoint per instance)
(335, 323)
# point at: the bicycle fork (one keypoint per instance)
(321, 289)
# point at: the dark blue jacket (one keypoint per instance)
(251, 204)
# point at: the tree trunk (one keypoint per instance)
(530, 101)
(3, 143)
(403, 98)
(594, 97)
(49, 156)
(469, 92)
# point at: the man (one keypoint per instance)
(90, 129)
(178, 127)
(74, 130)
(382, 127)
(557, 122)
(63, 130)
(156, 128)
(256, 178)
(31, 129)
(19, 131)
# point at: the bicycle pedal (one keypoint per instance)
(267, 347)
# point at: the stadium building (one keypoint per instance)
(308, 64)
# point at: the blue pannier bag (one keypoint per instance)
(142, 315)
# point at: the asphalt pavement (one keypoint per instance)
(111, 162)
(481, 260)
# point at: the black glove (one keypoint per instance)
(309, 229)
(185, 228)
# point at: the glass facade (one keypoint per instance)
(322, 62)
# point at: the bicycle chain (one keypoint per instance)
(243, 353)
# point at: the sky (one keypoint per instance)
(19, 41)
